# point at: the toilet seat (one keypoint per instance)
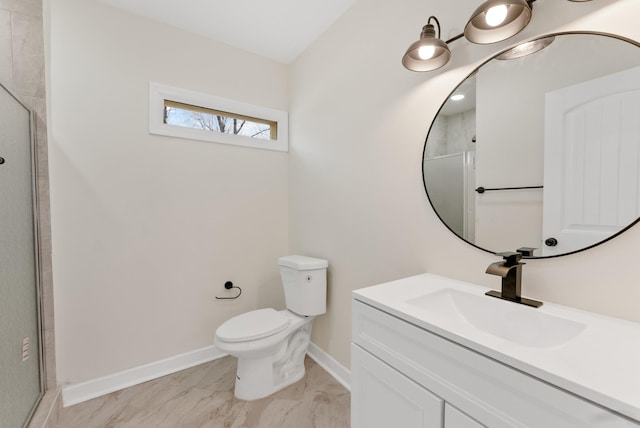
(252, 325)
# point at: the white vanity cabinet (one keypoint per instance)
(384, 397)
(405, 376)
(454, 418)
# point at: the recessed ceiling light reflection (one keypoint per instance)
(457, 97)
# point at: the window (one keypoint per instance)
(179, 114)
(186, 114)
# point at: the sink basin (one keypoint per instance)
(510, 321)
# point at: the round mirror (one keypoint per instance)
(540, 147)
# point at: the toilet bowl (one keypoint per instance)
(270, 345)
(270, 356)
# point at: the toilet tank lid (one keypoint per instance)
(302, 262)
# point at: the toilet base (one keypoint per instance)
(254, 379)
(262, 376)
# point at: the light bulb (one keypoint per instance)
(496, 15)
(426, 52)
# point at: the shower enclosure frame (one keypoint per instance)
(37, 255)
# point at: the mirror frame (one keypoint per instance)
(475, 70)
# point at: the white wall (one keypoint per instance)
(358, 123)
(146, 229)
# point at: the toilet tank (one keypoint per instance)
(305, 284)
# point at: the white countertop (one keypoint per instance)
(601, 363)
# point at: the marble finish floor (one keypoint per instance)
(202, 396)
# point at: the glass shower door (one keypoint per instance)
(20, 370)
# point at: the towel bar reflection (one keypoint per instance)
(490, 189)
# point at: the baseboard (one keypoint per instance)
(77, 393)
(330, 365)
(74, 394)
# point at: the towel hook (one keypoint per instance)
(229, 285)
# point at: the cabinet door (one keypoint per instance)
(382, 397)
(454, 418)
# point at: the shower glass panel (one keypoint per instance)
(20, 359)
(449, 198)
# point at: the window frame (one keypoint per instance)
(158, 93)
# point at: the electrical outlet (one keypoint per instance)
(26, 349)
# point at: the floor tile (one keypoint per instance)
(202, 396)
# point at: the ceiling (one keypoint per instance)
(276, 29)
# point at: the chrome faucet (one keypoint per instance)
(510, 269)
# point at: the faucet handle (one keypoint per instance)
(526, 251)
(511, 258)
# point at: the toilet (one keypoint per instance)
(270, 345)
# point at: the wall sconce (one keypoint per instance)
(497, 20)
(428, 53)
(493, 21)
(526, 48)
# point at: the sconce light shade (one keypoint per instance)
(428, 53)
(497, 20)
(527, 48)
